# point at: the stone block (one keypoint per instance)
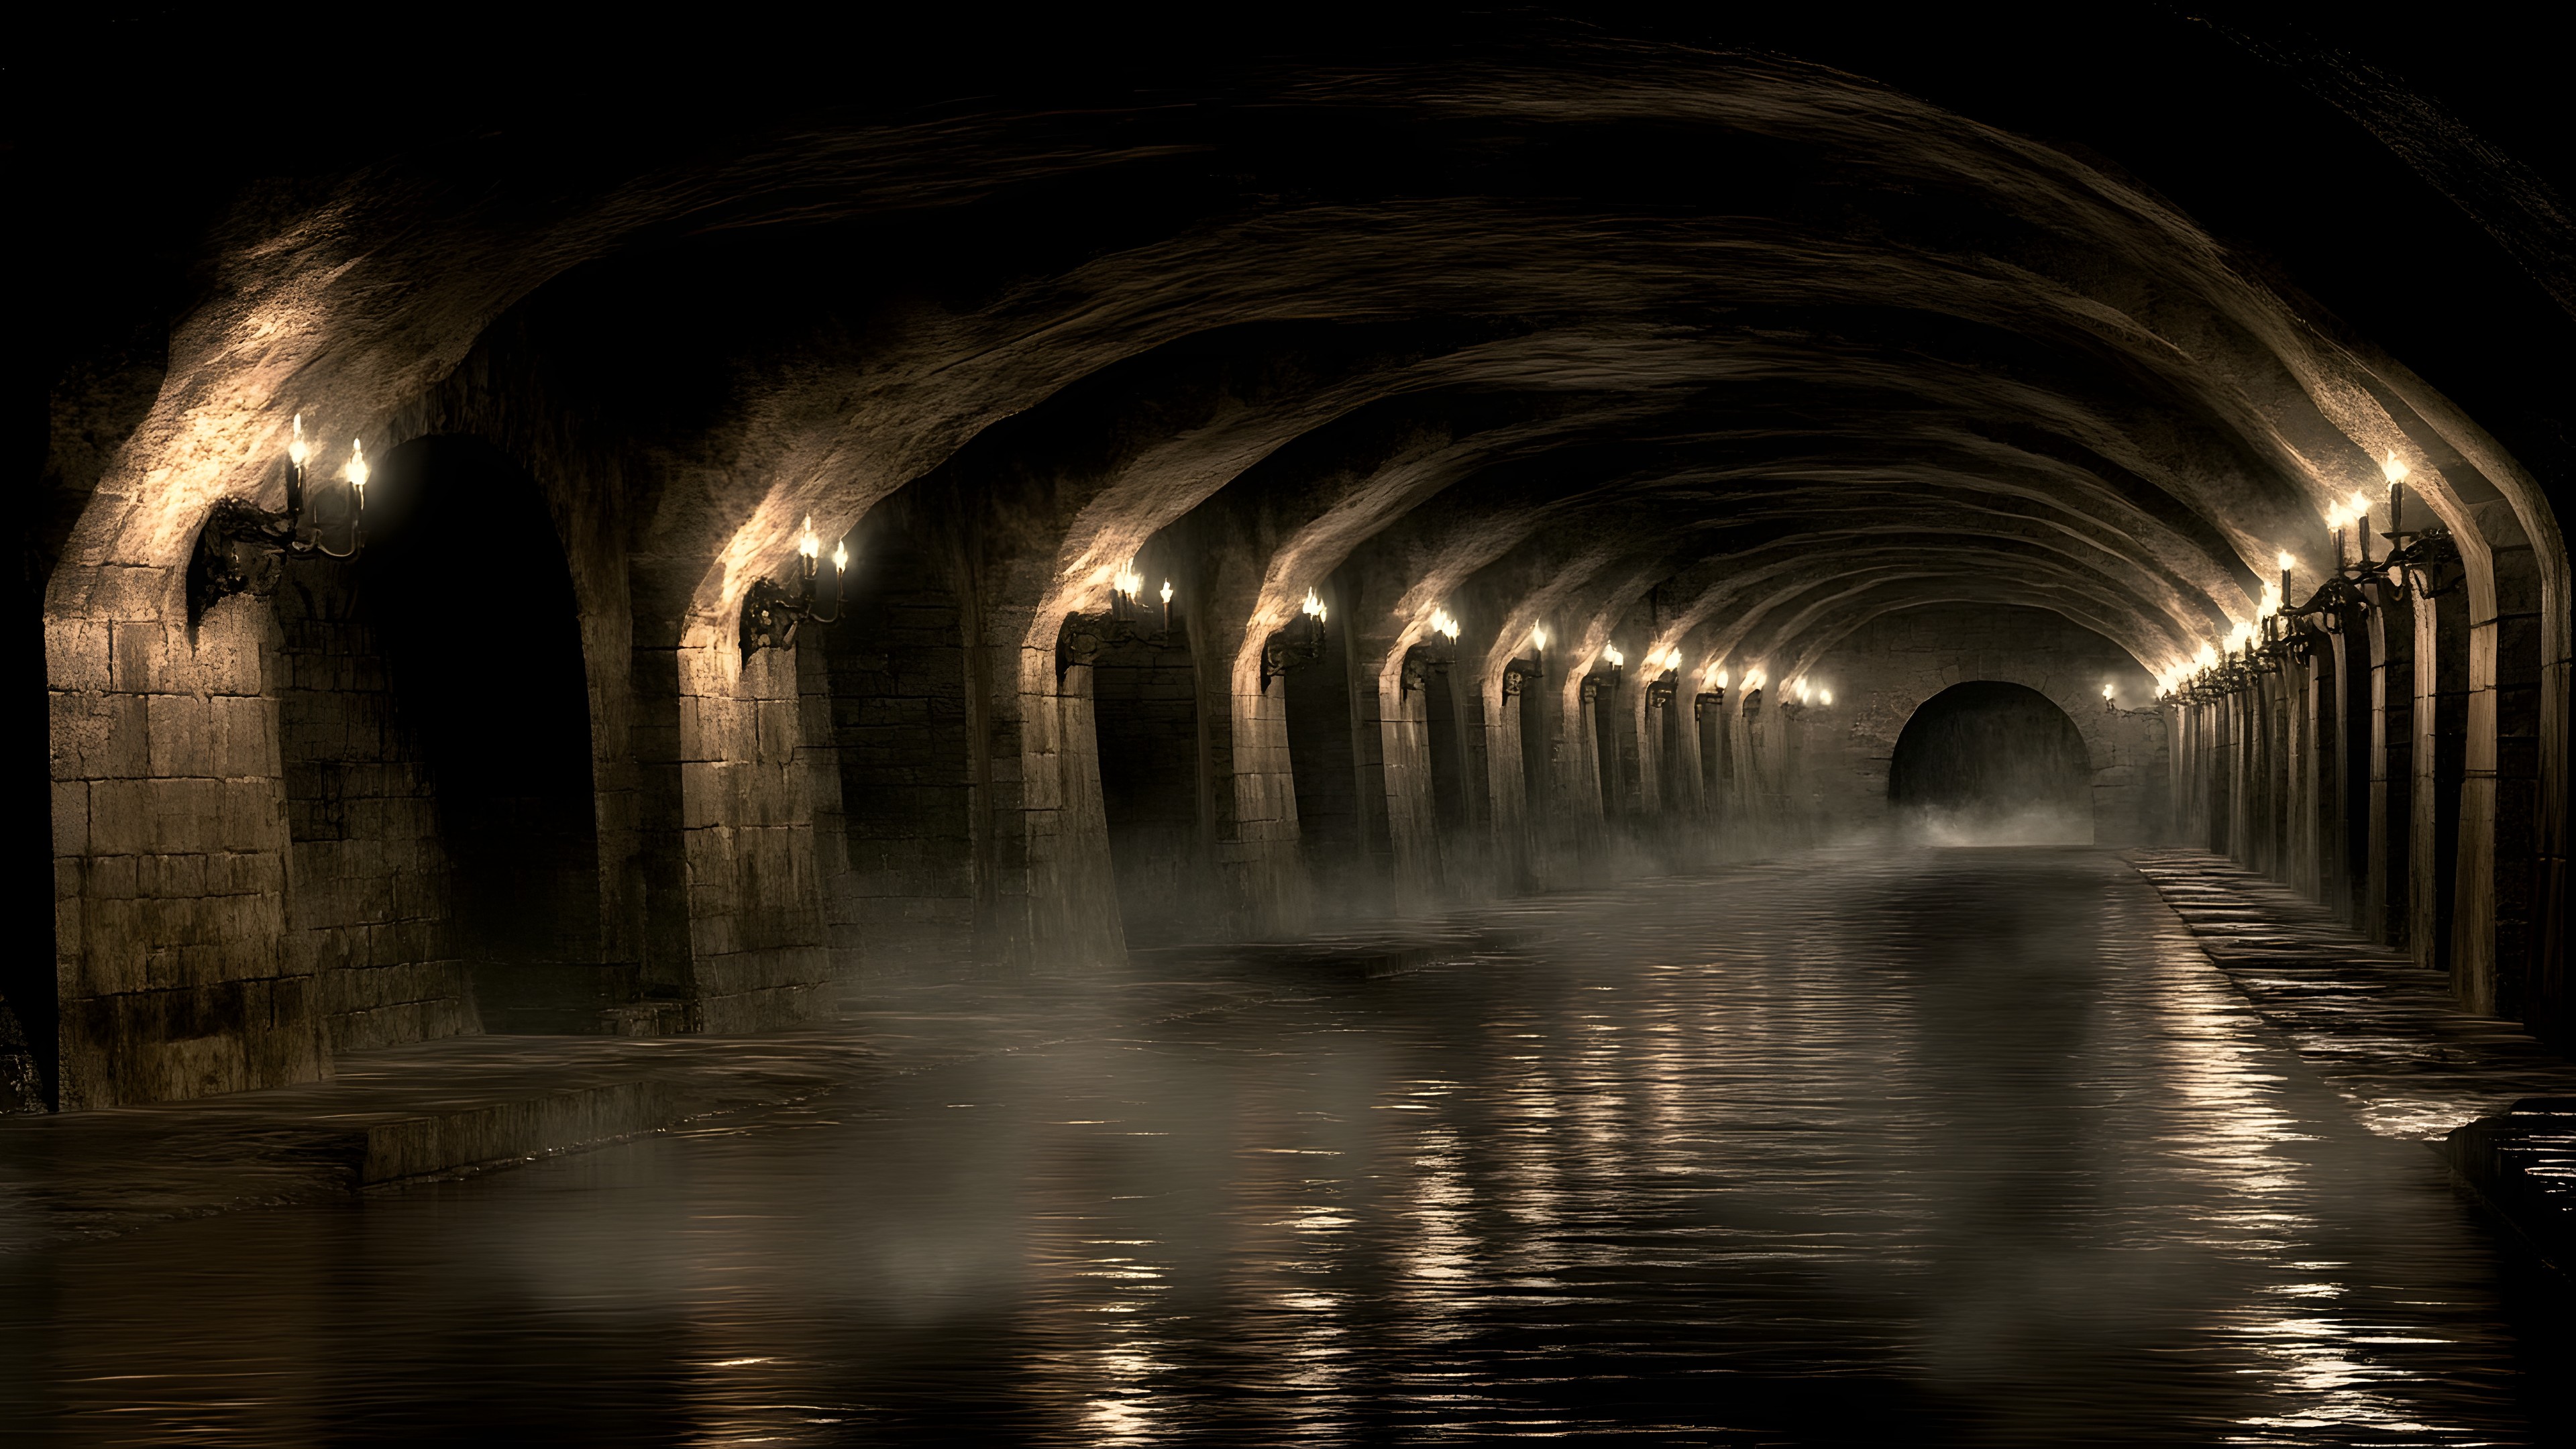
(181, 729)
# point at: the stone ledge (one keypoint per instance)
(2522, 1163)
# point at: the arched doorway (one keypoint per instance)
(483, 665)
(1990, 763)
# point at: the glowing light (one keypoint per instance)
(2106, 689)
(1313, 608)
(1128, 582)
(1716, 676)
(1825, 697)
(1755, 678)
(841, 557)
(1167, 593)
(1611, 653)
(2337, 515)
(2242, 637)
(2207, 658)
(2284, 561)
(357, 472)
(2359, 505)
(1538, 638)
(295, 449)
(808, 544)
(2271, 603)
(1673, 658)
(2394, 470)
(1444, 623)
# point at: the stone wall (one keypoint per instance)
(369, 907)
(1884, 671)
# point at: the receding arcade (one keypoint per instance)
(1588, 520)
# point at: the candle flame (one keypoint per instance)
(841, 557)
(1313, 608)
(1128, 581)
(2359, 505)
(1611, 653)
(295, 449)
(1444, 623)
(1825, 698)
(358, 466)
(807, 544)
(2284, 560)
(1167, 591)
(2395, 470)
(1538, 638)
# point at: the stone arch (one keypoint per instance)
(492, 688)
(1984, 753)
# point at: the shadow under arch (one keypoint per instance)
(483, 660)
(1992, 763)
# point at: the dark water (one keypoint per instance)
(1952, 1147)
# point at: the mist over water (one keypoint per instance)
(1913, 1147)
(1988, 763)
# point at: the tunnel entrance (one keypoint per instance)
(1990, 763)
(484, 662)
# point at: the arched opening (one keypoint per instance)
(1990, 763)
(1447, 734)
(1537, 755)
(1604, 710)
(899, 861)
(482, 665)
(1144, 701)
(1334, 821)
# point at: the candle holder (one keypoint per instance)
(1295, 644)
(772, 612)
(242, 546)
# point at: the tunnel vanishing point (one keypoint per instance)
(618, 534)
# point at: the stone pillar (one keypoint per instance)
(170, 848)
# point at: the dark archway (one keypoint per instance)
(484, 663)
(1988, 762)
(895, 672)
(1144, 702)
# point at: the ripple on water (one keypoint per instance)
(1952, 1146)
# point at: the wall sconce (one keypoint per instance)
(240, 547)
(1437, 652)
(1593, 683)
(1084, 636)
(771, 612)
(1297, 643)
(1666, 685)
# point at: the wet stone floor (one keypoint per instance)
(1966, 1146)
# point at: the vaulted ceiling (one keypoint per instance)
(1785, 331)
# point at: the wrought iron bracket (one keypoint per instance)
(1661, 690)
(1294, 645)
(240, 550)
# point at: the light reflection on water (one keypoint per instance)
(1962, 1146)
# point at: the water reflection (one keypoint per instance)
(1962, 1146)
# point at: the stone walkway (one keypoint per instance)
(2383, 1032)
(468, 1103)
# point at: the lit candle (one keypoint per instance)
(358, 472)
(1167, 606)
